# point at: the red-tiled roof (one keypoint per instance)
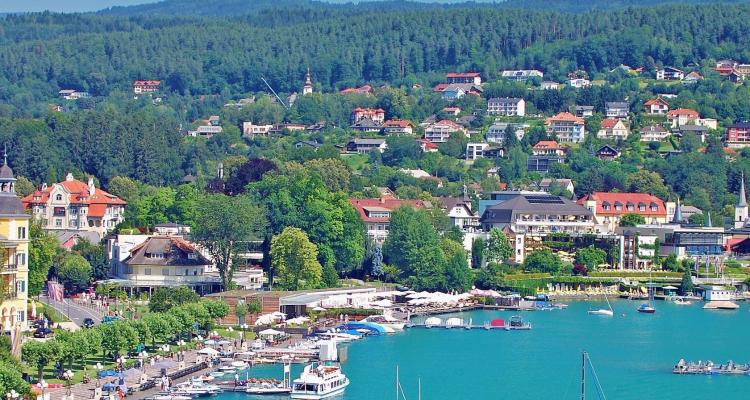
(440, 87)
(565, 117)
(78, 193)
(397, 123)
(462, 74)
(546, 144)
(655, 102)
(624, 199)
(387, 203)
(427, 144)
(609, 123)
(368, 110)
(146, 83)
(683, 111)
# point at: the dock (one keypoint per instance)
(487, 327)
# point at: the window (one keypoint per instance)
(192, 256)
(20, 286)
(58, 222)
(165, 271)
(147, 271)
(22, 232)
(58, 197)
(21, 259)
(19, 316)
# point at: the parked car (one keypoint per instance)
(88, 322)
(42, 333)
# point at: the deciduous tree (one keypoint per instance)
(295, 260)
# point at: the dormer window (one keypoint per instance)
(606, 206)
(618, 206)
(192, 256)
(58, 197)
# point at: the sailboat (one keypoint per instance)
(648, 308)
(600, 391)
(608, 311)
(400, 390)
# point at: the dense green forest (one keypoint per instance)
(42, 53)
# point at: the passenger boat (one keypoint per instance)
(227, 369)
(319, 381)
(339, 337)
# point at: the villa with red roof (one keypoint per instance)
(146, 86)
(657, 106)
(72, 205)
(608, 208)
(377, 115)
(376, 213)
(613, 128)
(398, 127)
(567, 127)
(682, 116)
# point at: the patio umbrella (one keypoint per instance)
(318, 308)
(33, 309)
(210, 342)
(208, 351)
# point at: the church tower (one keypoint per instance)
(308, 88)
(740, 210)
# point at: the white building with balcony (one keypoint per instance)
(506, 106)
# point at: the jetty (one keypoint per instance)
(515, 323)
(709, 368)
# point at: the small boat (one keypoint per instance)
(339, 337)
(604, 311)
(195, 388)
(319, 381)
(239, 364)
(167, 396)
(517, 323)
(646, 309)
(227, 369)
(216, 374)
(682, 302)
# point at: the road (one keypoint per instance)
(77, 313)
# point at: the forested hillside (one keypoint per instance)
(42, 53)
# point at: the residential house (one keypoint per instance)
(608, 208)
(613, 129)
(312, 144)
(616, 109)
(466, 121)
(366, 145)
(280, 129)
(738, 135)
(544, 154)
(699, 131)
(693, 77)
(375, 114)
(440, 131)
(166, 261)
(206, 131)
(140, 87)
(454, 111)
(14, 244)
(682, 116)
(70, 94)
(528, 218)
(547, 184)
(460, 213)
(669, 74)
(494, 152)
(584, 111)
(607, 153)
(506, 106)
(550, 85)
(566, 127)
(653, 133)
(74, 205)
(364, 89)
(427, 146)
(316, 127)
(172, 229)
(579, 83)
(398, 127)
(251, 130)
(366, 125)
(376, 214)
(455, 91)
(475, 150)
(474, 78)
(496, 131)
(725, 67)
(521, 74)
(657, 106)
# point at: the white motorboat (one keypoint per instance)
(239, 364)
(319, 381)
(195, 388)
(339, 337)
(387, 321)
(167, 396)
(227, 369)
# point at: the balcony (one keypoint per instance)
(9, 268)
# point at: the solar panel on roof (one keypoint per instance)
(544, 200)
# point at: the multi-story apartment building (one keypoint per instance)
(76, 206)
(567, 127)
(738, 135)
(14, 243)
(496, 132)
(441, 131)
(474, 78)
(506, 106)
(653, 133)
(377, 115)
(669, 74)
(376, 214)
(609, 208)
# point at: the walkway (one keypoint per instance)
(75, 311)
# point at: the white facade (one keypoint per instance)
(579, 83)
(250, 129)
(496, 132)
(506, 106)
(475, 150)
(440, 132)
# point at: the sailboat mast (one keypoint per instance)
(397, 384)
(419, 388)
(583, 376)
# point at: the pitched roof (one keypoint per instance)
(175, 251)
(546, 144)
(78, 192)
(616, 104)
(505, 100)
(565, 117)
(655, 102)
(462, 74)
(653, 128)
(146, 83)
(609, 123)
(682, 111)
(385, 203)
(397, 123)
(506, 211)
(636, 199)
(427, 144)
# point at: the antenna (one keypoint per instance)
(274, 93)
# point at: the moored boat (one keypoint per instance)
(646, 309)
(319, 381)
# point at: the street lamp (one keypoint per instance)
(68, 376)
(99, 367)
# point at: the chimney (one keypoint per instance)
(92, 188)
(69, 177)
(44, 186)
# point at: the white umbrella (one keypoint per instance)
(33, 309)
(270, 332)
(318, 308)
(208, 351)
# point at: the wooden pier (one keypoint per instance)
(524, 327)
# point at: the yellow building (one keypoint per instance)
(14, 248)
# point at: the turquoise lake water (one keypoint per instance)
(633, 355)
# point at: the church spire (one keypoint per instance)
(743, 199)
(308, 88)
(677, 213)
